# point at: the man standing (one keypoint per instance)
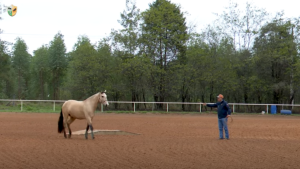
(223, 114)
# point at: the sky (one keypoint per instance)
(37, 21)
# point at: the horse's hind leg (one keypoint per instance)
(66, 126)
(70, 121)
(65, 134)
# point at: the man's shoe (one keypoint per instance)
(221, 138)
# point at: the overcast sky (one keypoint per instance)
(37, 21)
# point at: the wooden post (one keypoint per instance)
(54, 106)
(167, 107)
(200, 108)
(233, 108)
(152, 106)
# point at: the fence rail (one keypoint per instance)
(169, 106)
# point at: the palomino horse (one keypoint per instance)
(73, 109)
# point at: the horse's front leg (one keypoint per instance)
(92, 132)
(86, 132)
(89, 121)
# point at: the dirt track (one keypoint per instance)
(30, 140)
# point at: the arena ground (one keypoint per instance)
(30, 140)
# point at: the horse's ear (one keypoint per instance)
(104, 91)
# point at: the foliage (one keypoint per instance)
(246, 54)
(57, 63)
(164, 37)
(6, 81)
(40, 73)
(20, 63)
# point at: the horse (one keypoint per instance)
(73, 109)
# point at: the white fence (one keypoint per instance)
(165, 106)
(200, 105)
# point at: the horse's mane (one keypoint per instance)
(91, 96)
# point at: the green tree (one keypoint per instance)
(136, 73)
(57, 63)
(81, 74)
(20, 63)
(134, 66)
(164, 39)
(197, 59)
(275, 56)
(40, 72)
(217, 63)
(90, 68)
(6, 87)
(242, 26)
(126, 40)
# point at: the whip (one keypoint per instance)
(231, 121)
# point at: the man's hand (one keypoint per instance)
(227, 116)
(204, 104)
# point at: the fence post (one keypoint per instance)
(233, 108)
(101, 107)
(134, 107)
(152, 106)
(167, 107)
(54, 106)
(200, 108)
(267, 109)
(21, 105)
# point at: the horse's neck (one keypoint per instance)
(93, 100)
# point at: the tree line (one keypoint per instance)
(246, 54)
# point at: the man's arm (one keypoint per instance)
(228, 109)
(210, 105)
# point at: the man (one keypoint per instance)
(223, 113)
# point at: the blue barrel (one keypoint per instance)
(273, 109)
(287, 112)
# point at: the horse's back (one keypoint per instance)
(74, 109)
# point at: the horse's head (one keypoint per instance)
(103, 98)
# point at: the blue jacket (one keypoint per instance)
(223, 108)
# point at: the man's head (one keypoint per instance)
(220, 97)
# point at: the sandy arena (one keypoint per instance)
(30, 140)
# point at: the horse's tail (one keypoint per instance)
(61, 123)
